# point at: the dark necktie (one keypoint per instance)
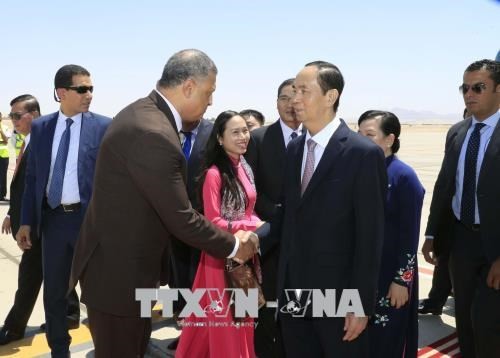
(292, 137)
(186, 146)
(468, 203)
(56, 184)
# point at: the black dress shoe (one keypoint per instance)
(173, 345)
(7, 336)
(72, 324)
(424, 308)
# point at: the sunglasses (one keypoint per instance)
(81, 89)
(477, 88)
(17, 116)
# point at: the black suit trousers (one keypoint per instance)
(59, 234)
(477, 307)
(441, 283)
(29, 282)
(320, 337)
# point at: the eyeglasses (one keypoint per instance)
(81, 89)
(17, 116)
(477, 88)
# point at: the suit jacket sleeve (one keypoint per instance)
(410, 197)
(264, 206)
(440, 212)
(369, 199)
(155, 165)
(29, 195)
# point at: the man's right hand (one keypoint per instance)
(6, 229)
(23, 237)
(428, 251)
(249, 246)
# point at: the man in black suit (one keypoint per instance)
(331, 221)
(194, 141)
(463, 220)
(266, 154)
(24, 109)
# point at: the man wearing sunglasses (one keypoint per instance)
(59, 179)
(24, 109)
(464, 214)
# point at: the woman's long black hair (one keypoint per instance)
(216, 155)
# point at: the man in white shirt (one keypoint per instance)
(59, 179)
(330, 222)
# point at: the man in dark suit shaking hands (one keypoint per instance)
(140, 203)
(464, 214)
(331, 220)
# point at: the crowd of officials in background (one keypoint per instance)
(159, 195)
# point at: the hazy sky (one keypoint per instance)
(408, 54)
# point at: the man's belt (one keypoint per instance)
(473, 227)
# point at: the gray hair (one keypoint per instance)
(185, 64)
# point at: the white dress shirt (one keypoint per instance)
(287, 132)
(177, 116)
(194, 133)
(321, 139)
(26, 142)
(70, 190)
(485, 135)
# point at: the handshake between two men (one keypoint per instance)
(248, 246)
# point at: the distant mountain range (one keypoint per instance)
(410, 116)
(428, 117)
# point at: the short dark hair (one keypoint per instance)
(329, 77)
(31, 104)
(247, 113)
(493, 67)
(389, 124)
(64, 76)
(185, 64)
(285, 83)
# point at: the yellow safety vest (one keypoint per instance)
(19, 143)
(4, 149)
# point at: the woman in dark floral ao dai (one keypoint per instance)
(394, 327)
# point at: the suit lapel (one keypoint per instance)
(457, 144)
(22, 163)
(87, 141)
(297, 155)
(199, 136)
(277, 136)
(162, 106)
(332, 151)
(49, 127)
(491, 152)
